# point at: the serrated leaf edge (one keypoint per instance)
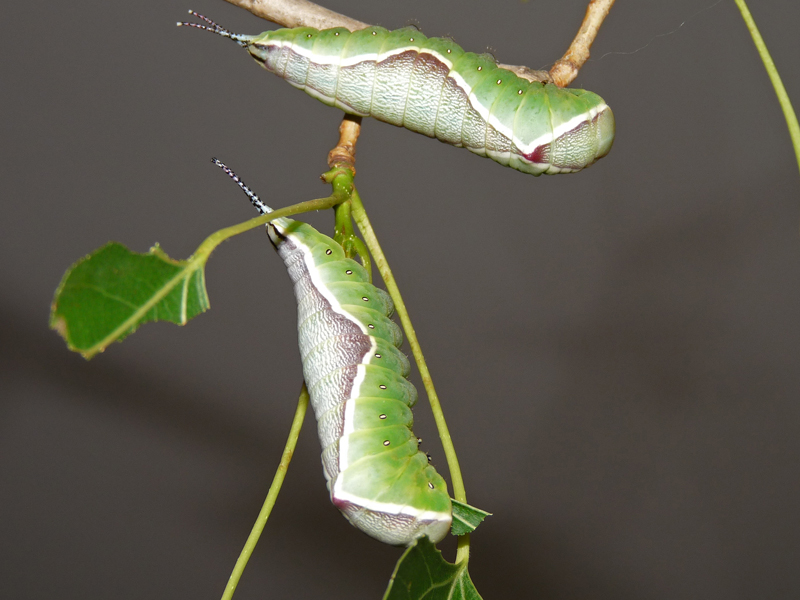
(188, 269)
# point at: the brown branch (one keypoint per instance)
(344, 153)
(566, 69)
(298, 13)
(302, 13)
(527, 73)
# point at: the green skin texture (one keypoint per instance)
(356, 378)
(432, 86)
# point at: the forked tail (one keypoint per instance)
(242, 40)
(254, 199)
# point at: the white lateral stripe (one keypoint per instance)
(387, 507)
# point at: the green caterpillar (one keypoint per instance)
(356, 377)
(433, 87)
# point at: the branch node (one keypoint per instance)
(343, 154)
(565, 70)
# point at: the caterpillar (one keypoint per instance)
(357, 382)
(432, 86)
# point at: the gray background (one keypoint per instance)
(616, 351)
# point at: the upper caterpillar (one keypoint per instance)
(432, 86)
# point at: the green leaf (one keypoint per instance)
(466, 518)
(108, 294)
(422, 573)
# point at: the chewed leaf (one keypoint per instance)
(423, 574)
(108, 294)
(466, 518)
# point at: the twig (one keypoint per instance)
(298, 13)
(566, 69)
(344, 153)
(774, 77)
(302, 13)
(272, 495)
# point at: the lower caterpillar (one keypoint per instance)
(432, 86)
(356, 378)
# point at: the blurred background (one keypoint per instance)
(616, 351)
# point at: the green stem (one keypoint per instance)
(198, 260)
(343, 228)
(272, 495)
(342, 182)
(364, 225)
(363, 255)
(215, 239)
(775, 78)
(202, 253)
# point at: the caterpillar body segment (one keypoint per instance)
(434, 87)
(356, 378)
